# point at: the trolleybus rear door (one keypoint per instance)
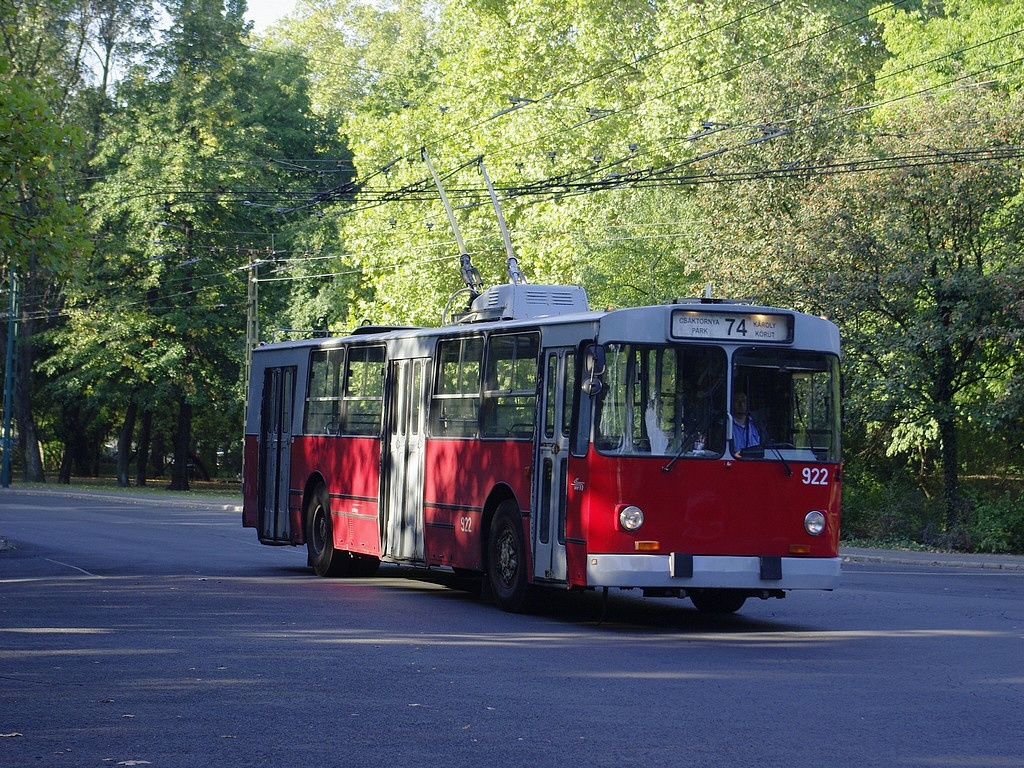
(402, 519)
(275, 454)
(552, 462)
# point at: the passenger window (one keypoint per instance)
(455, 406)
(323, 404)
(510, 387)
(364, 391)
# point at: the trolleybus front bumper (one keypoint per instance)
(679, 571)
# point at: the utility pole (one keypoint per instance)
(252, 314)
(12, 333)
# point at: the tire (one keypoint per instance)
(506, 559)
(325, 559)
(718, 600)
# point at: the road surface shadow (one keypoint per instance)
(621, 611)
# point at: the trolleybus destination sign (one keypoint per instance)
(732, 326)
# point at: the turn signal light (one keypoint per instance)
(647, 546)
(799, 549)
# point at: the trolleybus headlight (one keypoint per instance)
(814, 523)
(631, 518)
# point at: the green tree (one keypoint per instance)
(192, 163)
(462, 80)
(942, 238)
(563, 100)
(921, 267)
(42, 75)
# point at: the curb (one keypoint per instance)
(152, 497)
(941, 559)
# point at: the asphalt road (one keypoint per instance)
(152, 632)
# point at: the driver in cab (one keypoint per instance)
(745, 432)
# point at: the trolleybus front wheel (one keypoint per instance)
(506, 558)
(718, 600)
(325, 559)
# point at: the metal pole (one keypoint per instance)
(444, 202)
(252, 329)
(12, 332)
(515, 275)
(469, 273)
(252, 322)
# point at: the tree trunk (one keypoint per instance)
(124, 445)
(69, 426)
(28, 435)
(64, 473)
(158, 454)
(945, 416)
(200, 467)
(952, 502)
(182, 440)
(145, 431)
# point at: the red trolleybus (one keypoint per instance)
(689, 450)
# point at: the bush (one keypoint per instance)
(996, 525)
(886, 510)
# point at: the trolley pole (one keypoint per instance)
(12, 332)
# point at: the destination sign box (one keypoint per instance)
(732, 326)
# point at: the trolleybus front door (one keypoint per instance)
(402, 518)
(275, 454)
(552, 462)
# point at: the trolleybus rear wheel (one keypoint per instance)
(325, 559)
(718, 600)
(506, 558)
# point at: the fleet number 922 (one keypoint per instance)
(815, 476)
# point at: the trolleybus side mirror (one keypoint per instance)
(594, 360)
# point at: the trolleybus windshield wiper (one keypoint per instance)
(775, 448)
(683, 446)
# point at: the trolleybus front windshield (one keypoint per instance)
(672, 401)
(784, 405)
(663, 401)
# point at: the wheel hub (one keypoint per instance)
(508, 558)
(319, 529)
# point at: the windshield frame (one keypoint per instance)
(675, 389)
(793, 402)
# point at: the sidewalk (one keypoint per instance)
(947, 559)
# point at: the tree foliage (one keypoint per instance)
(188, 157)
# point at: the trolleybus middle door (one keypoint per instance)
(402, 475)
(275, 454)
(552, 463)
